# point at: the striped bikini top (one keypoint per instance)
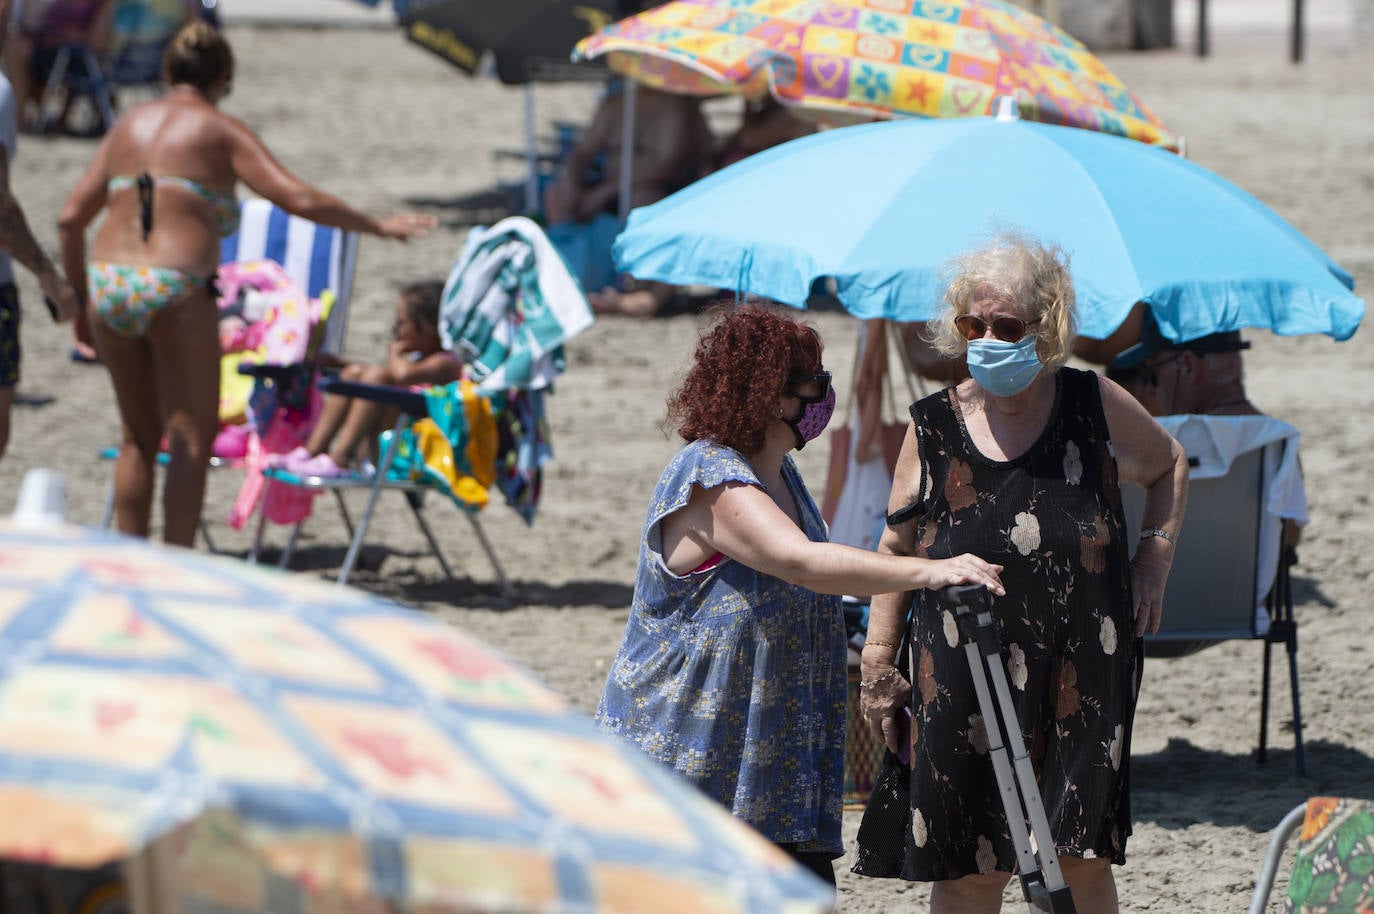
(225, 206)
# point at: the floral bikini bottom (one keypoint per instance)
(127, 298)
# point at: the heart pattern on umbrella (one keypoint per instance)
(995, 44)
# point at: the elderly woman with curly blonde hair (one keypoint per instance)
(1020, 464)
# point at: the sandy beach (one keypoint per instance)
(389, 127)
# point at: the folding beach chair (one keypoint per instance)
(1333, 869)
(77, 71)
(411, 406)
(141, 31)
(317, 257)
(508, 306)
(1230, 576)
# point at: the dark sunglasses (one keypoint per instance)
(821, 377)
(1149, 374)
(1006, 329)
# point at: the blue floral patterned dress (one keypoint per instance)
(734, 678)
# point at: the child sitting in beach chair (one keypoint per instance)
(348, 427)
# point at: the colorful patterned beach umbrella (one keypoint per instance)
(318, 740)
(851, 60)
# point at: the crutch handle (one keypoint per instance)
(973, 616)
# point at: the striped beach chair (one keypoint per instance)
(315, 256)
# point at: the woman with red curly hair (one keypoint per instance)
(733, 664)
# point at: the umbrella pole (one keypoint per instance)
(151, 876)
(627, 147)
(531, 155)
(1297, 31)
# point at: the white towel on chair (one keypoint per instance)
(1214, 442)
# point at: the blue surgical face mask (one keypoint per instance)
(1003, 369)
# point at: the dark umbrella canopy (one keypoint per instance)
(530, 40)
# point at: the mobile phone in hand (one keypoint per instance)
(52, 308)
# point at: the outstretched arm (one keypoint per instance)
(436, 368)
(260, 170)
(743, 522)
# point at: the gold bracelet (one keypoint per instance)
(1159, 532)
(869, 641)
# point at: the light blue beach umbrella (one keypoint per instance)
(880, 207)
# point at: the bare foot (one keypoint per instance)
(85, 353)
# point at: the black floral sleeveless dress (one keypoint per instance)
(1053, 518)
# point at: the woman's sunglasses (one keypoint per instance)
(821, 377)
(1006, 329)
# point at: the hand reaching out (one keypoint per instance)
(965, 569)
(60, 292)
(404, 226)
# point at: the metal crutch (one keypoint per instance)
(1042, 883)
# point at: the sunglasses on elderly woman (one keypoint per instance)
(1006, 329)
(821, 377)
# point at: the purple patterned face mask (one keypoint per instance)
(816, 411)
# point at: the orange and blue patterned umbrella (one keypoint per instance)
(289, 734)
(847, 60)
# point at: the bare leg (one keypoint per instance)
(559, 201)
(18, 67)
(83, 341)
(332, 415)
(978, 894)
(645, 298)
(362, 425)
(6, 405)
(1092, 884)
(185, 346)
(130, 363)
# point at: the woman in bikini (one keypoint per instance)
(167, 172)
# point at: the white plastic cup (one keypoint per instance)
(42, 500)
